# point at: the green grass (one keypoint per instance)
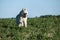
(39, 28)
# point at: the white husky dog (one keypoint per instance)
(21, 18)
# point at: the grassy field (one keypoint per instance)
(39, 28)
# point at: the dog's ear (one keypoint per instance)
(25, 11)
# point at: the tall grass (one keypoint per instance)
(39, 28)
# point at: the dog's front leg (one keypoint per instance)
(25, 22)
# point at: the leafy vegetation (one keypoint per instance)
(39, 28)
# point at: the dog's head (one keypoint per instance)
(25, 12)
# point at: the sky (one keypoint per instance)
(11, 8)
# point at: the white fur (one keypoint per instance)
(23, 20)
